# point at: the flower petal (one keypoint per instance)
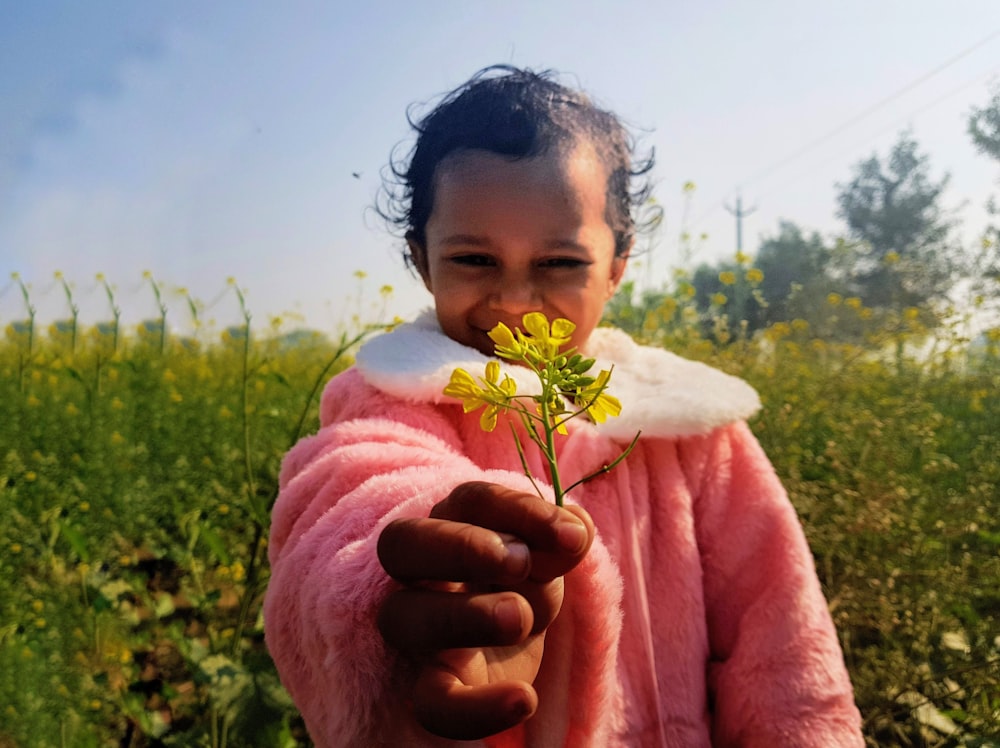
(536, 325)
(562, 328)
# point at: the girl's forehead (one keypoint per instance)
(578, 163)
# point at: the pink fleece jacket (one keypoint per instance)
(696, 619)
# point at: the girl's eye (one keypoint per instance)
(563, 262)
(473, 260)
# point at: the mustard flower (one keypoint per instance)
(495, 397)
(563, 376)
(548, 340)
(506, 343)
(598, 403)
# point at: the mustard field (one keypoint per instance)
(137, 470)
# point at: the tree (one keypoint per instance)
(984, 127)
(796, 272)
(904, 255)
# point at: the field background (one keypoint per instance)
(137, 469)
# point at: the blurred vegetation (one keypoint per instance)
(138, 468)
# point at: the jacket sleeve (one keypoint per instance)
(338, 490)
(777, 674)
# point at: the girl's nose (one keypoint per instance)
(516, 295)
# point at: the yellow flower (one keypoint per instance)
(719, 299)
(834, 299)
(600, 405)
(742, 258)
(727, 277)
(494, 398)
(239, 573)
(463, 387)
(507, 345)
(547, 339)
(891, 258)
(853, 302)
(754, 275)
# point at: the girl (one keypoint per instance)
(422, 591)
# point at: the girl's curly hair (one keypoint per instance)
(521, 114)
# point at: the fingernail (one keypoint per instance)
(519, 707)
(508, 616)
(518, 560)
(571, 535)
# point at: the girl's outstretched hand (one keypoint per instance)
(482, 581)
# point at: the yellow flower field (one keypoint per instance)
(137, 471)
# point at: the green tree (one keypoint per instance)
(904, 255)
(797, 272)
(984, 129)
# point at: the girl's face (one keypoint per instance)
(505, 238)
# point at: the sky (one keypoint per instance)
(202, 142)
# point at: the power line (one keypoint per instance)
(895, 124)
(855, 119)
(870, 110)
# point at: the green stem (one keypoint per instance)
(609, 467)
(550, 447)
(249, 588)
(520, 453)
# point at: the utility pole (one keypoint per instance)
(740, 215)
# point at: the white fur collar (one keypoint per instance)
(661, 393)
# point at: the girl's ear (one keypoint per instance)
(618, 264)
(418, 256)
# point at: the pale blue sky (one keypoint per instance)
(207, 140)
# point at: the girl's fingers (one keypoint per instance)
(445, 706)
(420, 620)
(438, 549)
(557, 536)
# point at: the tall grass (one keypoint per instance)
(137, 470)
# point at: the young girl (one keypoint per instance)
(422, 591)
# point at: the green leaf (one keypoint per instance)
(215, 544)
(76, 540)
